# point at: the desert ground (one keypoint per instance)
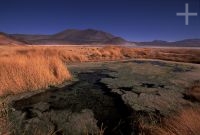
(99, 90)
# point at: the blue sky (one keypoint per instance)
(135, 20)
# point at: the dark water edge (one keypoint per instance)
(88, 93)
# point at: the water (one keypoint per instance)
(88, 93)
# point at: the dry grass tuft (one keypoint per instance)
(4, 120)
(187, 122)
(20, 73)
(25, 68)
(178, 55)
(194, 91)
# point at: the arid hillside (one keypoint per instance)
(8, 40)
(72, 36)
(181, 43)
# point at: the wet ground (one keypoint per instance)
(107, 96)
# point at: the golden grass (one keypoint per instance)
(27, 68)
(194, 91)
(186, 122)
(20, 73)
(30, 68)
(178, 55)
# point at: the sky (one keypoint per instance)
(134, 20)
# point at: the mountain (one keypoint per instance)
(181, 43)
(72, 36)
(6, 39)
(87, 37)
(189, 42)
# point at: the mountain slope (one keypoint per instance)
(88, 37)
(181, 43)
(6, 39)
(72, 36)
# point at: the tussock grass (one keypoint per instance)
(30, 68)
(4, 120)
(27, 68)
(178, 55)
(185, 122)
(194, 91)
(24, 70)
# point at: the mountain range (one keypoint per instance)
(86, 37)
(71, 36)
(181, 43)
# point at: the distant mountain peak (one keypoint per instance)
(73, 36)
(87, 37)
